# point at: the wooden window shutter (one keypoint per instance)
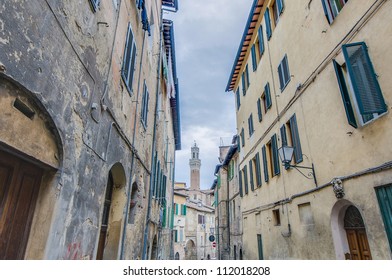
(254, 60)
(265, 164)
(345, 95)
(252, 186)
(268, 23)
(240, 183)
(275, 156)
(280, 6)
(259, 111)
(258, 171)
(365, 84)
(267, 96)
(243, 84)
(245, 172)
(295, 138)
(261, 40)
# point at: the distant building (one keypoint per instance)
(311, 79)
(89, 127)
(199, 212)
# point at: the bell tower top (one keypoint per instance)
(195, 164)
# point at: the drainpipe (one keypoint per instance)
(152, 177)
(133, 154)
(228, 211)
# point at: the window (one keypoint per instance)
(362, 99)
(277, 9)
(245, 173)
(265, 163)
(237, 94)
(266, 98)
(259, 110)
(145, 105)
(245, 80)
(332, 8)
(95, 4)
(271, 158)
(254, 58)
(284, 73)
(231, 170)
(129, 60)
(268, 24)
(201, 219)
(240, 183)
(175, 232)
(242, 137)
(291, 138)
(254, 172)
(276, 217)
(250, 125)
(260, 41)
(384, 197)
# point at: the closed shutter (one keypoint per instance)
(258, 170)
(345, 95)
(245, 172)
(265, 164)
(240, 183)
(247, 76)
(268, 102)
(261, 40)
(365, 84)
(259, 111)
(254, 60)
(281, 78)
(384, 197)
(268, 23)
(243, 84)
(283, 135)
(295, 138)
(252, 186)
(237, 93)
(260, 247)
(280, 6)
(129, 60)
(275, 156)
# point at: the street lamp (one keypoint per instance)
(286, 155)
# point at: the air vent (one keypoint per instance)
(23, 108)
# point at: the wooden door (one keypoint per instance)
(356, 235)
(19, 185)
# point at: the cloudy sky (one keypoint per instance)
(207, 37)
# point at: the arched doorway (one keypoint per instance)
(190, 250)
(112, 214)
(349, 232)
(177, 256)
(356, 235)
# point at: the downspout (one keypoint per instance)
(133, 154)
(228, 211)
(152, 177)
(172, 213)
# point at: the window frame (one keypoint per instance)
(328, 11)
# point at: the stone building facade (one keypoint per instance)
(89, 127)
(312, 77)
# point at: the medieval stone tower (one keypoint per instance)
(195, 164)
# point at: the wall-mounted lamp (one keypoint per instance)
(286, 155)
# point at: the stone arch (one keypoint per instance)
(190, 250)
(114, 201)
(29, 138)
(339, 224)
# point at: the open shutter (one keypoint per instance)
(366, 87)
(281, 77)
(295, 138)
(327, 15)
(252, 186)
(345, 96)
(247, 76)
(258, 171)
(259, 112)
(280, 6)
(243, 84)
(237, 93)
(261, 40)
(240, 183)
(283, 135)
(245, 171)
(266, 177)
(268, 102)
(254, 60)
(275, 156)
(268, 23)
(384, 197)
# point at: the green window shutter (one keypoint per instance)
(260, 246)
(265, 164)
(259, 112)
(243, 137)
(252, 186)
(247, 76)
(245, 172)
(268, 23)
(254, 60)
(172, 218)
(295, 138)
(267, 91)
(177, 209)
(364, 80)
(258, 170)
(184, 209)
(240, 183)
(283, 135)
(243, 84)
(345, 95)
(275, 156)
(384, 197)
(164, 217)
(237, 93)
(176, 236)
(261, 40)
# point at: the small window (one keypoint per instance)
(361, 93)
(284, 73)
(255, 172)
(95, 4)
(277, 9)
(128, 68)
(276, 217)
(266, 98)
(332, 8)
(201, 219)
(273, 157)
